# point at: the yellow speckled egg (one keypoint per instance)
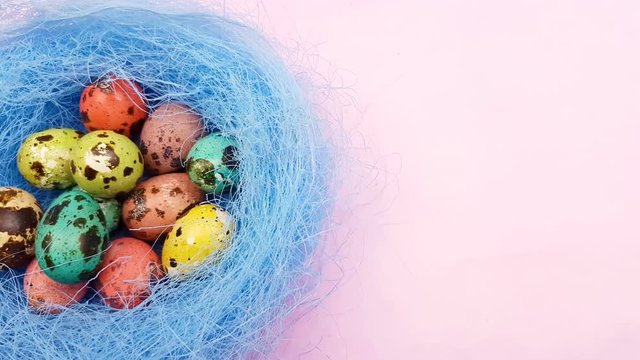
(203, 232)
(44, 158)
(106, 164)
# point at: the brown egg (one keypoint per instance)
(168, 135)
(46, 296)
(19, 216)
(155, 204)
(129, 268)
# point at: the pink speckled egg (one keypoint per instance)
(156, 203)
(46, 296)
(167, 137)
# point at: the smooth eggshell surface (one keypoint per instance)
(167, 137)
(46, 296)
(129, 268)
(155, 204)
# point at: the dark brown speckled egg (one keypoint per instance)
(155, 204)
(19, 216)
(167, 137)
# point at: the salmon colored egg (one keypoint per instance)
(114, 104)
(129, 269)
(156, 203)
(46, 296)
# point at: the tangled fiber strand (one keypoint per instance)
(228, 74)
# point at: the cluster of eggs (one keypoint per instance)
(68, 247)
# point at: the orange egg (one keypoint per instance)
(113, 104)
(128, 270)
(46, 296)
(156, 203)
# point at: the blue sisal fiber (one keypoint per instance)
(233, 78)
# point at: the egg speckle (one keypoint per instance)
(106, 164)
(71, 238)
(168, 135)
(212, 163)
(44, 158)
(19, 216)
(155, 204)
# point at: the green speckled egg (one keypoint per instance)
(212, 163)
(106, 164)
(44, 158)
(111, 209)
(71, 238)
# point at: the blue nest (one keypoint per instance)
(231, 76)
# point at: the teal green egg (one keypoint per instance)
(110, 207)
(212, 163)
(71, 238)
(112, 211)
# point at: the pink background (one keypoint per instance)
(501, 218)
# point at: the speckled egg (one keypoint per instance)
(71, 238)
(106, 164)
(129, 269)
(44, 158)
(155, 204)
(49, 297)
(114, 104)
(201, 234)
(168, 135)
(111, 208)
(212, 163)
(19, 216)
